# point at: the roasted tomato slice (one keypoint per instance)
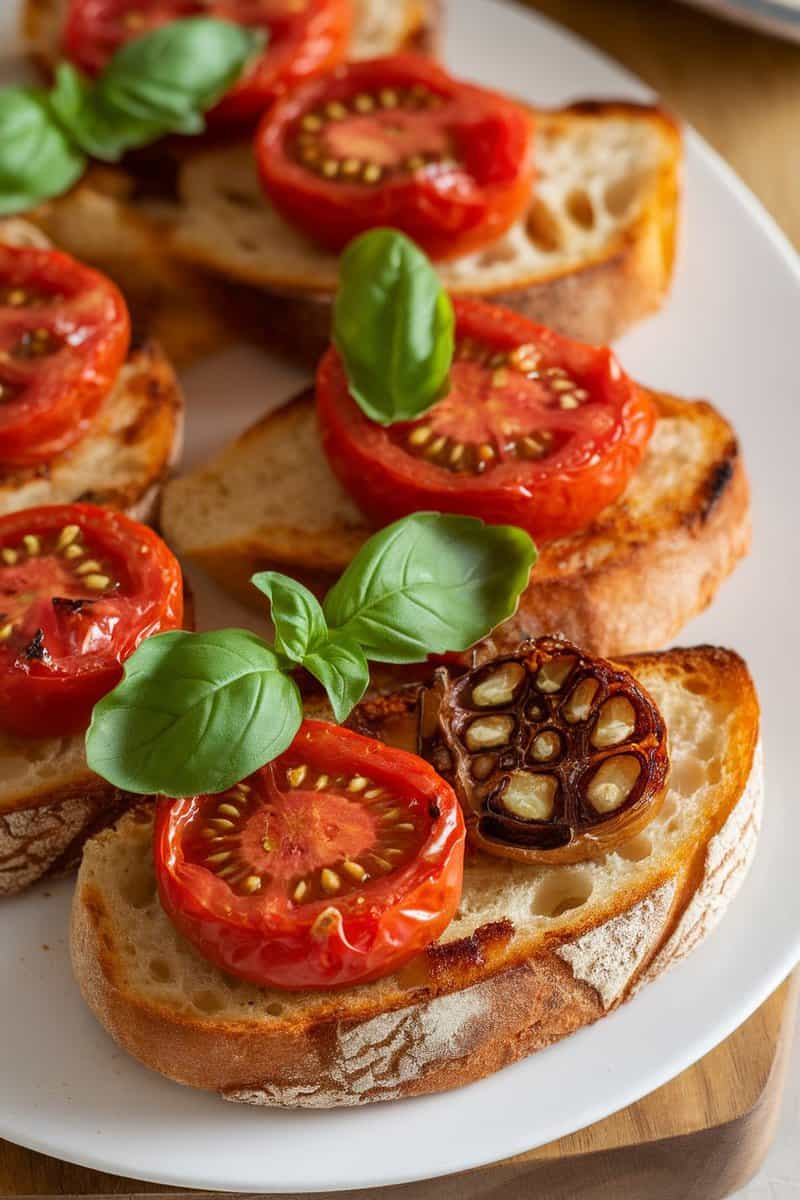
(537, 431)
(556, 756)
(397, 141)
(80, 587)
(64, 334)
(332, 865)
(304, 37)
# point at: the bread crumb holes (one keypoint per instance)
(561, 893)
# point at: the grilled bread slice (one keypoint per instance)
(134, 443)
(592, 254)
(116, 219)
(533, 953)
(629, 581)
(380, 27)
(101, 222)
(50, 801)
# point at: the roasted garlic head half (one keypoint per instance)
(556, 756)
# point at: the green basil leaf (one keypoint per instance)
(195, 712)
(296, 614)
(341, 668)
(428, 584)
(179, 69)
(37, 158)
(162, 82)
(101, 133)
(393, 325)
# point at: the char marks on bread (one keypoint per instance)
(630, 581)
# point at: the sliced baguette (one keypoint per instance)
(380, 27)
(51, 802)
(100, 222)
(533, 954)
(123, 461)
(592, 255)
(630, 581)
(112, 221)
(134, 443)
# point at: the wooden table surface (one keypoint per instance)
(740, 89)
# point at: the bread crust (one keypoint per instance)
(45, 837)
(45, 823)
(663, 577)
(660, 571)
(139, 427)
(476, 1004)
(135, 440)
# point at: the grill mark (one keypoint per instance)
(717, 483)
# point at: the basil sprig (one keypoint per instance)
(162, 82)
(38, 159)
(198, 712)
(393, 326)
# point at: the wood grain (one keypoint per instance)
(740, 89)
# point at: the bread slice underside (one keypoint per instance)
(592, 254)
(630, 581)
(533, 953)
(115, 219)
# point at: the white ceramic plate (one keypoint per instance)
(781, 17)
(729, 332)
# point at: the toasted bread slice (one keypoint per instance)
(123, 462)
(134, 443)
(380, 27)
(533, 953)
(629, 581)
(100, 222)
(111, 220)
(592, 254)
(50, 802)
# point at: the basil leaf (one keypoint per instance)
(341, 668)
(162, 82)
(393, 325)
(296, 614)
(101, 133)
(429, 583)
(37, 158)
(195, 712)
(181, 69)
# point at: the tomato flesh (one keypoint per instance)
(303, 38)
(536, 431)
(397, 141)
(331, 866)
(64, 334)
(80, 587)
